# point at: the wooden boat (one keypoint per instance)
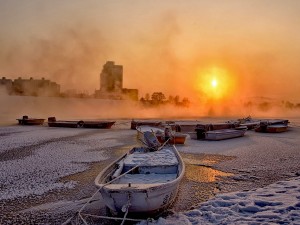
(98, 124)
(223, 134)
(248, 122)
(136, 123)
(144, 180)
(175, 137)
(193, 135)
(272, 126)
(30, 121)
(185, 127)
(52, 122)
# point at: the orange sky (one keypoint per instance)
(251, 47)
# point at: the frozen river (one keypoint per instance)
(48, 173)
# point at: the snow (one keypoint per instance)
(278, 203)
(40, 170)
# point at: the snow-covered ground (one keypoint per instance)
(278, 203)
(53, 154)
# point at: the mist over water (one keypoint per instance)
(13, 107)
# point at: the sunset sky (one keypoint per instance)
(218, 49)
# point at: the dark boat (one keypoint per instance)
(218, 131)
(137, 123)
(30, 121)
(272, 126)
(52, 122)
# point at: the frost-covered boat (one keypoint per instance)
(137, 123)
(272, 126)
(30, 121)
(144, 180)
(217, 135)
(52, 122)
(174, 137)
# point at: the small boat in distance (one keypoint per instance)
(247, 121)
(217, 135)
(144, 180)
(174, 137)
(30, 121)
(213, 132)
(272, 126)
(136, 123)
(52, 122)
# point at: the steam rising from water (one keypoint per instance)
(73, 108)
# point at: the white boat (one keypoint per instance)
(144, 180)
(224, 134)
(175, 137)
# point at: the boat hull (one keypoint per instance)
(98, 124)
(148, 200)
(31, 121)
(272, 128)
(176, 139)
(70, 124)
(224, 134)
(135, 124)
(52, 122)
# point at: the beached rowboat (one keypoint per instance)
(272, 127)
(142, 181)
(175, 137)
(30, 121)
(217, 135)
(52, 122)
(137, 123)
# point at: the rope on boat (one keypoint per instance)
(126, 208)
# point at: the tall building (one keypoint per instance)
(111, 78)
(111, 84)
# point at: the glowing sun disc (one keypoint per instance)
(214, 83)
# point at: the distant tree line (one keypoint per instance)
(159, 98)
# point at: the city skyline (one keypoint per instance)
(246, 48)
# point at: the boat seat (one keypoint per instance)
(146, 178)
(161, 162)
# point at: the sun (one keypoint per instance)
(214, 83)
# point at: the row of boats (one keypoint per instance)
(52, 122)
(175, 130)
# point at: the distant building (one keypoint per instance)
(6, 84)
(31, 87)
(111, 84)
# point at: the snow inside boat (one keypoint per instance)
(145, 180)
